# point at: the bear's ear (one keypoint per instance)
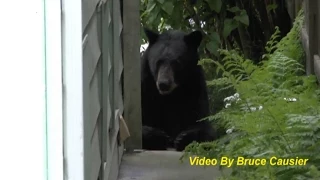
(193, 39)
(152, 36)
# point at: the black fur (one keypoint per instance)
(172, 118)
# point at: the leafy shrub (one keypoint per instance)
(275, 112)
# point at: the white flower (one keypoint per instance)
(226, 99)
(229, 131)
(290, 99)
(293, 99)
(227, 105)
(253, 108)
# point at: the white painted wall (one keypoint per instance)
(22, 91)
(54, 89)
(41, 96)
(73, 90)
(31, 107)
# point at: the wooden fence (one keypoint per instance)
(103, 74)
(309, 33)
(310, 37)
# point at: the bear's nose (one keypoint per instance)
(164, 86)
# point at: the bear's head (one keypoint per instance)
(172, 57)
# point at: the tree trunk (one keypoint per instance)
(244, 36)
(265, 23)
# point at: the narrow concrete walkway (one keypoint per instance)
(163, 165)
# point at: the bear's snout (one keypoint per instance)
(164, 86)
(165, 80)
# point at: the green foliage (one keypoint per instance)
(209, 16)
(275, 112)
(220, 21)
(215, 5)
(226, 24)
(291, 44)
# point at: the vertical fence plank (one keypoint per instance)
(131, 56)
(311, 18)
(107, 86)
(111, 87)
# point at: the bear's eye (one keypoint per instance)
(159, 62)
(177, 64)
(179, 61)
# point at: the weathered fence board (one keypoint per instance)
(88, 9)
(310, 36)
(91, 56)
(112, 65)
(131, 56)
(102, 88)
(311, 25)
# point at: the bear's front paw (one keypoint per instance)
(199, 134)
(154, 139)
(185, 138)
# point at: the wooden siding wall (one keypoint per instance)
(310, 36)
(103, 101)
(310, 32)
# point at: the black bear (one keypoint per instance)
(173, 92)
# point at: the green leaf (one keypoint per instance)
(214, 36)
(272, 7)
(148, 10)
(151, 5)
(176, 16)
(229, 25)
(215, 5)
(168, 7)
(243, 18)
(161, 1)
(234, 9)
(153, 15)
(212, 46)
